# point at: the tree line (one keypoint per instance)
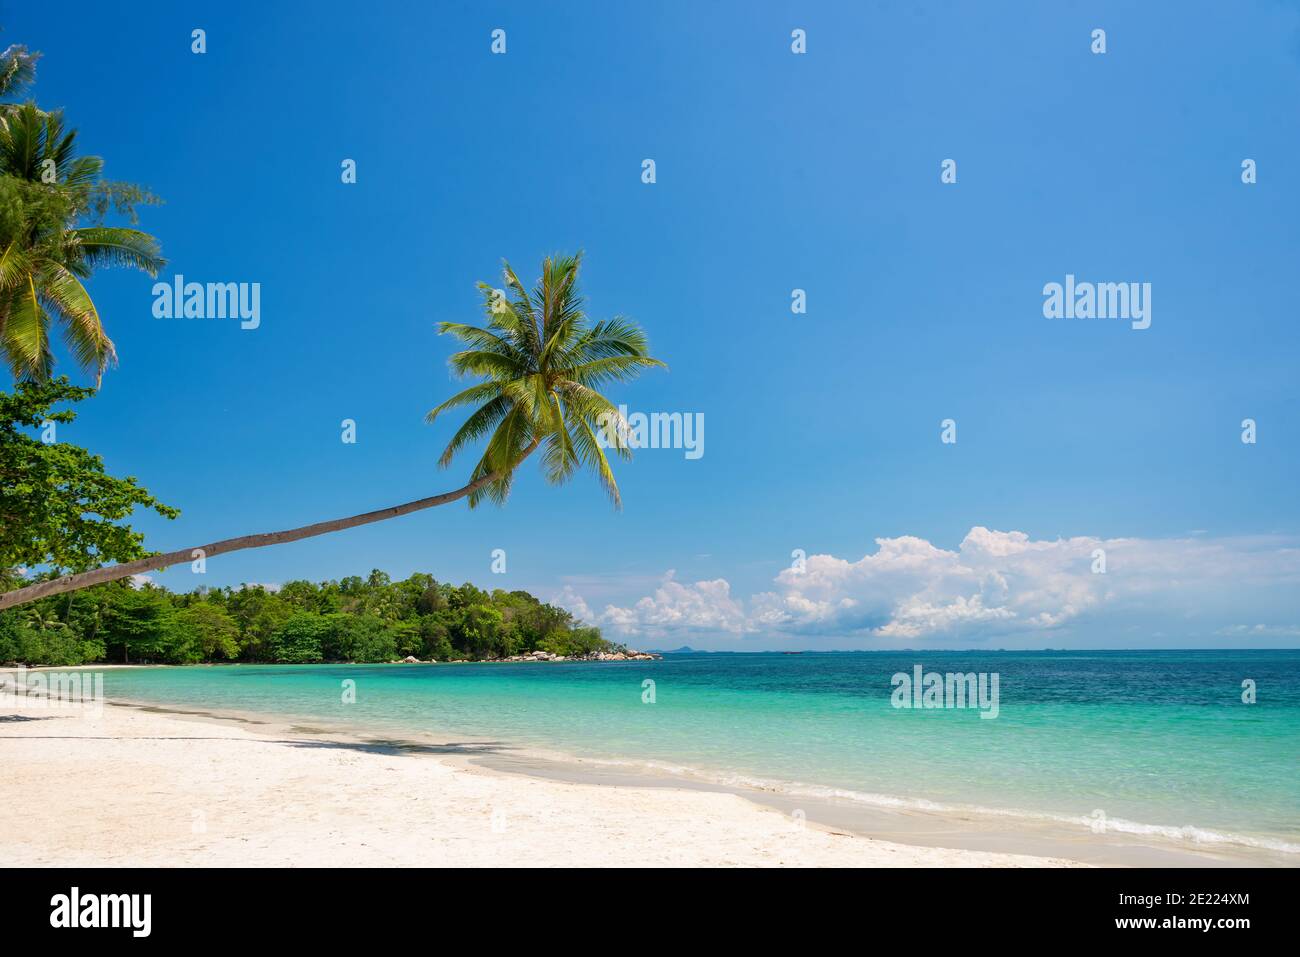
(370, 619)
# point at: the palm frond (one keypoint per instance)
(593, 456)
(529, 332)
(610, 369)
(118, 246)
(15, 264)
(558, 456)
(476, 426)
(504, 451)
(611, 337)
(486, 363)
(475, 393)
(601, 415)
(17, 69)
(26, 342)
(65, 296)
(478, 338)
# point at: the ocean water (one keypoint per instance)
(1150, 742)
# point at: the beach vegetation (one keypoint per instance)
(371, 619)
(59, 508)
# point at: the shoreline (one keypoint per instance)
(145, 785)
(1061, 839)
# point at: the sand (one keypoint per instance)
(140, 787)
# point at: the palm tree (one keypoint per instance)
(17, 71)
(46, 189)
(38, 620)
(541, 361)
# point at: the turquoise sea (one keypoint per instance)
(1151, 742)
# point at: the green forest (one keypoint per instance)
(370, 619)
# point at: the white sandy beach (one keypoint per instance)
(141, 788)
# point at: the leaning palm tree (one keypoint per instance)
(52, 205)
(541, 361)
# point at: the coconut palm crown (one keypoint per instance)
(542, 362)
(52, 206)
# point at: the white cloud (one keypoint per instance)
(674, 606)
(993, 583)
(569, 599)
(910, 588)
(917, 618)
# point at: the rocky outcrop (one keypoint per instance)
(628, 655)
(539, 655)
(593, 656)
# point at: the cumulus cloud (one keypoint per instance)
(910, 588)
(569, 599)
(993, 583)
(674, 606)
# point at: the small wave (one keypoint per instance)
(1186, 834)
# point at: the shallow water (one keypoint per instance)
(1141, 743)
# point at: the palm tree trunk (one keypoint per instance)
(97, 576)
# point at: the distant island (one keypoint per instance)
(372, 619)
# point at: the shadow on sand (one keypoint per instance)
(374, 746)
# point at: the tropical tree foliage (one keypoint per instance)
(59, 509)
(53, 204)
(355, 619)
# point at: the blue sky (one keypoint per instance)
(775, 171)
